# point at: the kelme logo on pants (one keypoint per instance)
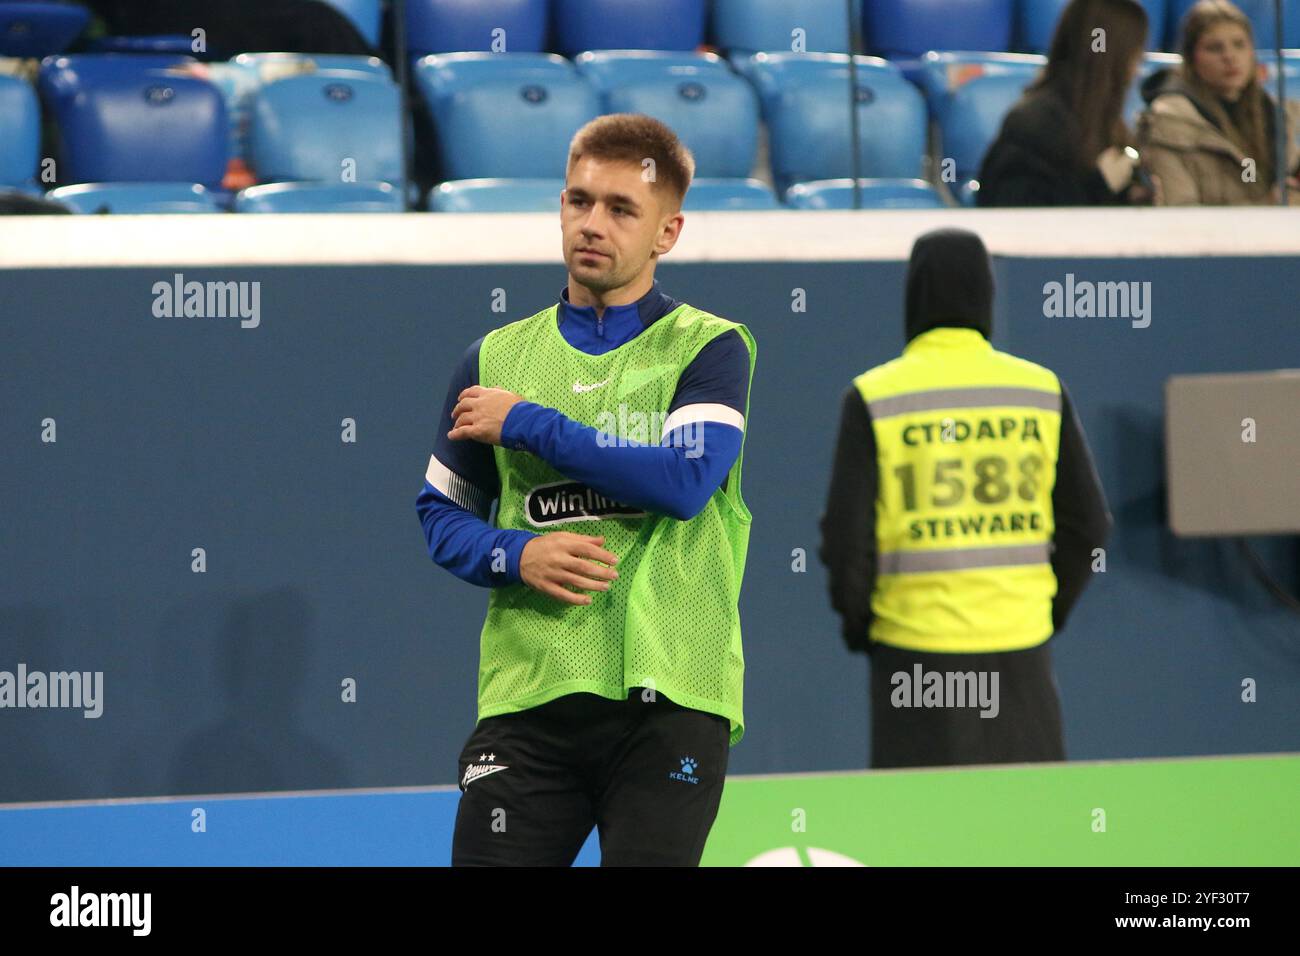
(567, 501)
(687, 773)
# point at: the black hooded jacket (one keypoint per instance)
(949, 284)
(1033, 160)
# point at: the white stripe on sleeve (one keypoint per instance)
(466, 494)
(703, 412)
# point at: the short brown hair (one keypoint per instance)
(634, 138)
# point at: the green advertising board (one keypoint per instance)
(1213, 811)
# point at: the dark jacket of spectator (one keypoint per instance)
(1032, 161)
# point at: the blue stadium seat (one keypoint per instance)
(969, 119)
(366, 16)
(729, 195)
(320, 198)
(452, 26)
(335, 126)
(1261, 17)
(804, 101)
(623, 25)
(898, 28)
(134, 118)
(1157, 16)
(872, 193)
(939, 75)
(497, 195)
(506, 115)
(750, 26)
(135, 198)
(973, 116)
(1036, 22)
(240, 78)
(39, 29)
(20, 121)
(713, 111)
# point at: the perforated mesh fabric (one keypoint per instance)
(671, 619)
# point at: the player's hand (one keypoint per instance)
(553, 563)
(480, 412)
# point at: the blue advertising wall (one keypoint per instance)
(176, 434)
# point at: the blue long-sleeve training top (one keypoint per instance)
(675, 479)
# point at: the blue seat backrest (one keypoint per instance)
(805, 101)
(504, 115)
(713, 111)
(450, 26)
(335, 126)
(622, 25)
(896, 28)
(819, 26)
(135, 118)
(20, 131)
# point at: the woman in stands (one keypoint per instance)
(1063, 143)
(1209, 130)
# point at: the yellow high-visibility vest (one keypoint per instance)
(967, 440)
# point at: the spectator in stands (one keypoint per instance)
(1209, 131)
(1063, 143)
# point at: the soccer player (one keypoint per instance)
(961, 525)
(609, 428)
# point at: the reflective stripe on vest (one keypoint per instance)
(964, 398)
(901, 562)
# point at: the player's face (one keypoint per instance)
(612, 224)
(1224, 59)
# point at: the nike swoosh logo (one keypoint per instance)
(637, 377)
(580, 388)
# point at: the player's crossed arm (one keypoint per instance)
(663, 479)
(480, 412)
(701, 440)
